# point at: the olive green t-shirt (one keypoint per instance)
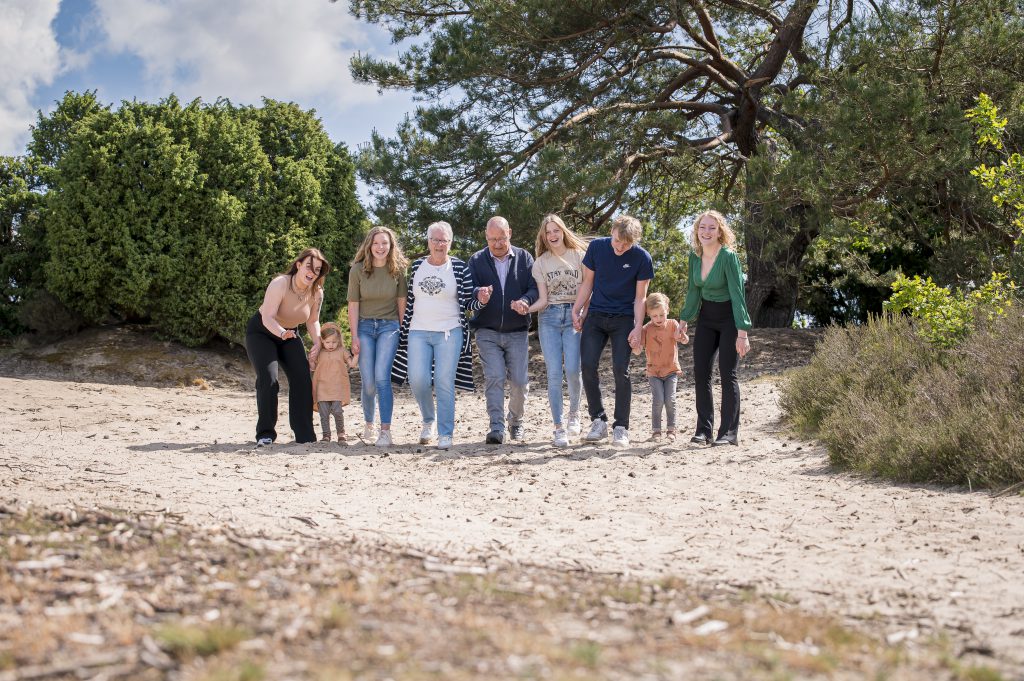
(376, 293)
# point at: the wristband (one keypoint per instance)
(283, 332)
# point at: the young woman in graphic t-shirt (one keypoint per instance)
(558, 271)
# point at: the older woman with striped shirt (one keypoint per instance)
(434, 345)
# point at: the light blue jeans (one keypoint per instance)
(378, 342)
(437, 350)
(560, 344)
(505, 357)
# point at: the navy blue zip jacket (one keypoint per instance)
(496, 315)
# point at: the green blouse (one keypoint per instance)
(724, 283)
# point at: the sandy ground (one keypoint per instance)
(769, 515)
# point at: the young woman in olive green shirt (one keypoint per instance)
(715, 297)
(377, 290)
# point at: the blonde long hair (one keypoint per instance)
(726, 236)
(569, 238)
(396, 260)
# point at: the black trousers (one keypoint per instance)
(266, 352)
(716, 332)
(598, 329)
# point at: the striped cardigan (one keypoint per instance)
(467, 303)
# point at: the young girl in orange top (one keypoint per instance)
(331, 387)
(660, 338)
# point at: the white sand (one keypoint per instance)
(768, 515)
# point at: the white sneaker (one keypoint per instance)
(598, 431)
(427, 434)
(368, 432)
(264, 442)
(561, 440)
(620, 437)
(384, 439)
(444, 442)
(574, 428)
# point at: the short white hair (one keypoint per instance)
(441, 225)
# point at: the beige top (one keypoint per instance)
(662, 350)
(330, 377)
(560, 274)
(377, 293)
(294, 310)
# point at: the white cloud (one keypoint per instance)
(29, 57)
(243, 50)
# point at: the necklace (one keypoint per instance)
(302, 295)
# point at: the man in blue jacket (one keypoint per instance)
(504, 275)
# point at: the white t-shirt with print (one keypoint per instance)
(437, 298)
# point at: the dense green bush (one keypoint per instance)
(180, 215)
(886, 400)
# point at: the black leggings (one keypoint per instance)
(716, 331)
(266, 351)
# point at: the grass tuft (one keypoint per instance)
(185, 641)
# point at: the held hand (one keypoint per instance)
(742, 346)
(634, 338)
(520, 307)
(577, 319)
(483, 294)
(683, 338)
(355, 346)
(288, 333)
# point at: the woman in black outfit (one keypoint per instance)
(271, 339)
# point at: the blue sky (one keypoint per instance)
(291, 50)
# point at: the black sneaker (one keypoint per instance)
(701, 439)
(517, 432)
(264, 442)
(724, 440)
(495, 437)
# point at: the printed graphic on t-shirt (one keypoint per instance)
(432, 285)
(562, 283)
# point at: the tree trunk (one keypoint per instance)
(775, 245)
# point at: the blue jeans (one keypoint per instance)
(437, 350)
(505, 357)
(560, 344)
(378, 341)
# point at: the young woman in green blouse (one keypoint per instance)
(716, 299)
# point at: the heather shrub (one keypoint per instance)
(887, 400)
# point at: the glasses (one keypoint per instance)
(440, 242)
(497, 240)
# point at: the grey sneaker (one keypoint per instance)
(598, 431)
(264, 442)
(516, 432)
(560, 439)
(427, 434)
(384, 439)
(573, 429)
(444, 442)
(620, 437)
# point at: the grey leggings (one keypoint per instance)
(663, 394)
(328, 408)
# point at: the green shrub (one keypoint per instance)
(947, 315)
(179, 216)
(886, 400)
